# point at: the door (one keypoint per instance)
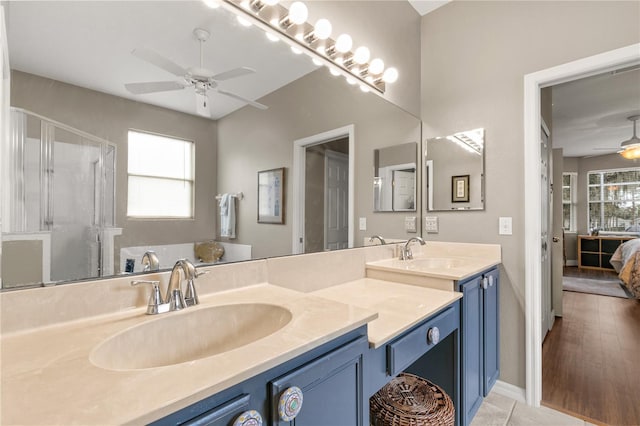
(336, 196)
(491, 329)
(331, 387)
(545, 261)
(404, 190)
(71, 209)
(471, 348)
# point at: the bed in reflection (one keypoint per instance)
(626, 262)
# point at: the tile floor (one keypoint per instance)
(498, 410)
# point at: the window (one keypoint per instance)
(569, 204)
(614, 199)
(160, 176)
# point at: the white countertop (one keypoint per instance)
(47, 377)
(399, 306)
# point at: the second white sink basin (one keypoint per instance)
(437, 263)
(179, 337)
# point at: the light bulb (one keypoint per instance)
(317, 62)
(376, 66)
(298, 13)
(213, 4)
(351, 80)
(390, 75)
(272, 37)
(344, 43)
(243, 22)
(334, 71)
(355, 70)
(323, 29)
(296, 50)
(361, 55)
(270, 2)
(338, 60)
(364, 88)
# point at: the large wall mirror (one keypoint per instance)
(65, 211)
(454, 172)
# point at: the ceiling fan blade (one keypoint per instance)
(236, 72)
(240, 98)
(153, 86)
(159, 61)
(202, 105)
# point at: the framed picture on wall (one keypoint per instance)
(271, 196)
(460, 189)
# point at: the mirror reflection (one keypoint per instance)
(77, 116)
(454, 171)
(394, 182)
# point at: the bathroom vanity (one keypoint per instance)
(344, 335)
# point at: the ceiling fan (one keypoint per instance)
(198, 77)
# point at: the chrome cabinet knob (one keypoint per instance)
(290, 403)
(248, 418)
(433, 335)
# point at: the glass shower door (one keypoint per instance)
(72, 212)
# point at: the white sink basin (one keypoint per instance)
(189, 335)
(437, 263)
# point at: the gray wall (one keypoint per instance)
(250, 140)
(474, 57)
(110, 117)
(391, 30)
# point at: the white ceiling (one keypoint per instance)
(425, 6)
(590, 114)
(88, 44)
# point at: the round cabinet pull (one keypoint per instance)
(433, 335)
(290, 403)
(249, 418)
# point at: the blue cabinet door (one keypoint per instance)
(331, 387)
(491, 330)
(472, 383)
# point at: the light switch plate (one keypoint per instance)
(363, 223)
(431, 224)
(505, 226)
(410, 224)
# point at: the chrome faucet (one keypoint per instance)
(378, 237)
(405, 252)
(150, 262)
(175, 299)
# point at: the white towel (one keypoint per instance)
(227, 216)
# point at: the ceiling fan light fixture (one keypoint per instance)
(631, 147)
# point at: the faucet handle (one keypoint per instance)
(156, 304)
(200, 273)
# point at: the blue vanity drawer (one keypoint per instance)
(407, 349)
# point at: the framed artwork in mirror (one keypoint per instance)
(271, 196)
(460, 189)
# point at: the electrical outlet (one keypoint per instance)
(363, 223)
(410, 224)
(431, 224)
(505, 226)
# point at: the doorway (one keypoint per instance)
(608, 61)
(323, 184)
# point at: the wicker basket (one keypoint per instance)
(409, 400)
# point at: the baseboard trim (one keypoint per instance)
(510, 391)
(572, 263)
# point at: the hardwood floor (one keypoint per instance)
(591, 359)
(574, 271)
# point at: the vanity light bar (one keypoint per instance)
(335, 54)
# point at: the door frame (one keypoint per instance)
(533, 82)
(299, 169)
(545, 316)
